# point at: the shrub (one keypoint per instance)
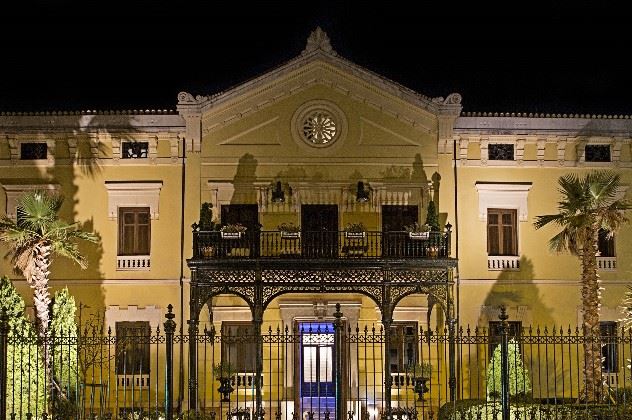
(26, 388)
(519, 382)
(432, 218)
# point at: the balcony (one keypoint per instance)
(370, 245)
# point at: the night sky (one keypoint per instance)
(516, 57)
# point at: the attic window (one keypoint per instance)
(134, 149)
(33, 151)
(501, 151)
(597, 153)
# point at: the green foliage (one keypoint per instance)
(519, 382)
(355, 227)
(481, 410)
(192, 415)
(288, 227)
(233, 228)
(64, 351)
(206, 217)
(421, 370)
(432, 219)
(223, 370)
(416, 227)
(26, 388)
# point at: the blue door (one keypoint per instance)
(317, 359)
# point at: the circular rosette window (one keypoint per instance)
(318, 123)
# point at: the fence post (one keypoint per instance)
(338, 352)
(504, 362)
(4, 333)
(170, 328)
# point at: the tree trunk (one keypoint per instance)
(39, 284)
(591, 302)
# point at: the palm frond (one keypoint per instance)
(69, 250)
(541, 221)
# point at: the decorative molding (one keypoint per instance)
(15, 191)
(133, 194)
(304, 115)
(503, 196)
(318, 40)
(116, 313)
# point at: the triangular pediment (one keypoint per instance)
(319, 64)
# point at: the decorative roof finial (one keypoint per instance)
(318, 40)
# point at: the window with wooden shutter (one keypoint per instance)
(502, 235)
(132, 347)
(134, 231)
(402, 350)
(239, 347)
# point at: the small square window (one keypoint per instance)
(597, 153)
(501, 151)
(134, 149)
(33, 151)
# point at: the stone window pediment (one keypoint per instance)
(133, 194)
(503, 196)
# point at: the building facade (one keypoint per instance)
(325, 145)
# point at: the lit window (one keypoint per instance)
(134, 231)
(597, 153)
(502, 232)
(33, 151)
(134, 149)
(500, 151)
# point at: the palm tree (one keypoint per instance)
(588, 204)
(34, 238)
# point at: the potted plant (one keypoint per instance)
(355, 231)
(224, 372)
(206, 217)
(418, 231)
(289, 231)
(421, 373)
(232, 231)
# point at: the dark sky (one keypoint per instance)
(525, 57)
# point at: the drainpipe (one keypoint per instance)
(182, 196)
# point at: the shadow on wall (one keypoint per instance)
(515, 289)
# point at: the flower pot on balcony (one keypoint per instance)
(225, 388)
(433, 251)
(207, 251)
(420, 387)
(231, 235)
(355, 235)
(419, 235)
(290, 235)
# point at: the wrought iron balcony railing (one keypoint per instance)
(320, 244)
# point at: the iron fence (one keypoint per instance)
(314, 370)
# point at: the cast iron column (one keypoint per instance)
(387, 320)
(257, 318)
(338, 354)
(170, 329)
(193, 322)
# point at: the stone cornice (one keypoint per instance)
(543, 126)
(35, 123)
